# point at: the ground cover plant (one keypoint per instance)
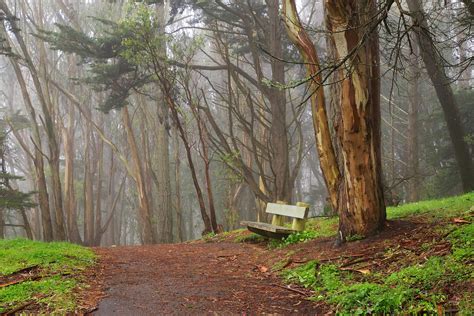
(430, 271)
(44, 277)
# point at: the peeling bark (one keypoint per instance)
(357, 195)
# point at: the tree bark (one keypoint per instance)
(98, 204)
(363, 210)
(180, 232)
(88, 191)
(164, 208)
(145, 211)
(69, 190)
(327, 156)
(435, 66)
(279, 163)
(357, 195)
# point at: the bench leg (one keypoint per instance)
(298, 224)
(277, 220)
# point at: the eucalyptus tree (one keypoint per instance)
(356, 190)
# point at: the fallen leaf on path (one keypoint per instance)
(263, 269)
(363, 271)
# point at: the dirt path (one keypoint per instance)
(199, 278)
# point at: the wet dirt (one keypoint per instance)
(195, 278)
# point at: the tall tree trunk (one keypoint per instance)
(88, 191)
(327, 156)
(69, 190)
(164, 208)
(207, 172)
(358, 197)
(98, 204)
(435, 66)
(412, 146)
(26, 224)
(145, 211)
(280, 160)
(177, 204)
(363, 212)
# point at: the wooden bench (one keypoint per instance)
(279, 210)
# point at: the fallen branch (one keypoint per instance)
(287, 263)
(20, 281)
(19, 308)
(356, 261)
(290, 289)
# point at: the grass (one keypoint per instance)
(58, 266)
(422, 286)
(436, 209)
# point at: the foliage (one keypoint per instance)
(315, 228)
(299, 237)
(416, 288)
(304, 275)
(11, 198)
(209, 236)
(15, 199)
(52, 261)
(114, 53)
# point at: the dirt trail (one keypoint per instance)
(196, 278)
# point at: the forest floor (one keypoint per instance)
(420, 263)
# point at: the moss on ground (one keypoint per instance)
(57, 273)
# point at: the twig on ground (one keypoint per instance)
(291, 289)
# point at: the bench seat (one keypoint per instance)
(268, 230)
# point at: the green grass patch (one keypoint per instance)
(315, 228)
(324, 227)
(462, 240)
(441, 208)
(58, 266)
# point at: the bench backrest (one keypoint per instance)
(287, 210)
